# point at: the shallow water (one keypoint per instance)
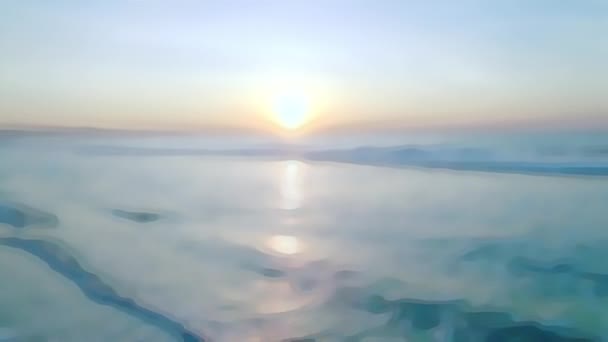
(198, 247)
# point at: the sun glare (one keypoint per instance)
(284, 244)
(291, 109)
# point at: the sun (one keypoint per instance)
(291, 109)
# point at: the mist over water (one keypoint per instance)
(165, 238)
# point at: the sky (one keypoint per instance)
(193, 64)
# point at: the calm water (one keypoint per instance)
(105, 247)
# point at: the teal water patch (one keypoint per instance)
(136, 216)
(22, 216)
(93, 287)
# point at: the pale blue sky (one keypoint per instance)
(177, 63)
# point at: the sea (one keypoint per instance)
(128, 236)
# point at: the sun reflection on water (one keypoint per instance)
(290, 199)
(285, 244)
(291, 196)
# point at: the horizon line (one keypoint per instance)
(359, 127)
